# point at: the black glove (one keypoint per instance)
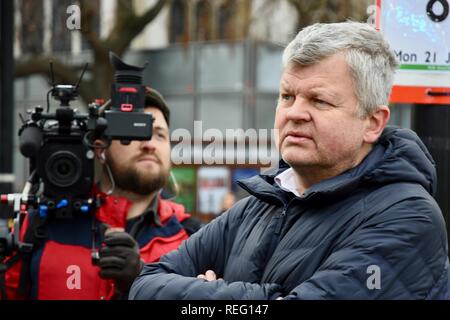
(120, 260)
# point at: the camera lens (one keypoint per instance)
(63, 169)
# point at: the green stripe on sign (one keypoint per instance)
(426, 67)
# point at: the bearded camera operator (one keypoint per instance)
(145, 226)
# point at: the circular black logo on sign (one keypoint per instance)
(437, 17)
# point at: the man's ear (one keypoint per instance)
(99, 150)
(376, 124)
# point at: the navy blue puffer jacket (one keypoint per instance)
(373, 232)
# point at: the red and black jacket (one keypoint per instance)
(60, 266)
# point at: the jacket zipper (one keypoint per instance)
(282, 217)
(280, 222)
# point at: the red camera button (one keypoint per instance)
(128, 90)
(126, 107)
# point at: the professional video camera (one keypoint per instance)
(60, 147)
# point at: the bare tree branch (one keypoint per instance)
(40, 65)
(62, 73)
(128, 25)
(310, 11)
(87, 28)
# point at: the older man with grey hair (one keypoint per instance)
(349, 213)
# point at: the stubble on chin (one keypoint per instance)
(139, 180)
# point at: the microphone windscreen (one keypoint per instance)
(30, 141)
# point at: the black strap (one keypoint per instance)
(14, 259)
(191, 225)
(2, 282)
(35, 234)
(24, 275)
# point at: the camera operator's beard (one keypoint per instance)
(131, 180)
